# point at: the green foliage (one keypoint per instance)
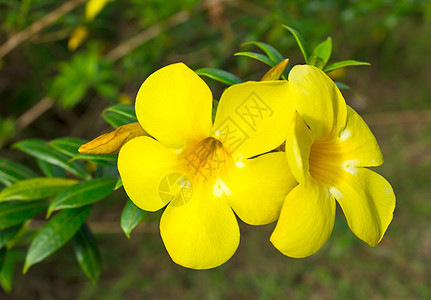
(39, 149)
(86, 252)
(7, 234)
(120, 114)
(131, 217)
(345, 63)
(84, 193)
(11, 172)
(323, 50)
(57, 232)
(35, 188)
(219, 75)
(50, 170)
(84, 71)
(270, 51)
(69, 146)
(257, 56)
(8, 269)
(301, 43)
(16, 212)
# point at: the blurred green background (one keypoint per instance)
(49, 91)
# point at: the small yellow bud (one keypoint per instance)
(93, 8)
(112, 142)
(276, 72)
(77, 37)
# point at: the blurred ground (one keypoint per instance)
(393, 96)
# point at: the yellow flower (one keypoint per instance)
(203, 170)
(327, 147)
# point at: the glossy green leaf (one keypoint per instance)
(57, 232)
(11, 172)
(39, 149)
(16, 212)
(7, 234)
(260, 57)
(84, 193)
(344, 63)
(67, 145)
(87, 253)
(120, 114)
(35, 188)
(270, 51)
(118, 184)
(300, 41)
(50, 170)
(131, 217)
(219, 75)
(100, 159)
(324, 50)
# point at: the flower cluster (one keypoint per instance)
(206, 173)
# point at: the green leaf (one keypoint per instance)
(101, 159)
(120, 114)
(57, 232)
(131, 217)
(219, 75)
(50, 170)
(7, 234)
(35, 188)
(67, 145)
(11, 172)
(87, 253)
(39, 149)
(84, 193)
(118, 184)
(14, 213)
(300, 41)
(270, 51)
(260, 57)
(8, 269)
(345, 63)
(324, 50)
(316, 61)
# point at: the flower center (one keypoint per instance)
(325, 161)
(206, 159)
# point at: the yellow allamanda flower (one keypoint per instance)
(206, 171)
(328, 147)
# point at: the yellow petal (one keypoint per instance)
(357, 142)
(143, 164)
(318, 100)
(259, 186)
(252, 117)
(201, 234)
(368, 202)
(298, 145)
(112, 142)
(306, 221)
(174, 105)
